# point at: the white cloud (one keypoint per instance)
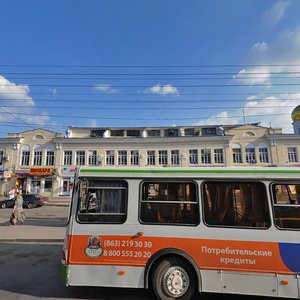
(105, 88)
(280, 56)
(14, 95)
(167, 89)
(274, 15)
(92, 123)
(269, 110)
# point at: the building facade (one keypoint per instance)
(45, 162)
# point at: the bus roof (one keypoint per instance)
(192, 172)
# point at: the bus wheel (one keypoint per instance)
(174, 278)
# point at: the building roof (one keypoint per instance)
(296, 114)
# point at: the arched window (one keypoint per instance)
(39, 137)
(250, 153)
(50, 155)
(249, 133)
(25, 155)
(237, 153)
(263, 153)
(37, 155)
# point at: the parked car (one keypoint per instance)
(29, 201)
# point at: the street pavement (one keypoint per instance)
(37, 228)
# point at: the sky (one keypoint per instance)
(138, 63)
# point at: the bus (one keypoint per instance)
(179, 231)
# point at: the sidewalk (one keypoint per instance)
(31, 233)
(46, 225)
(59, 201)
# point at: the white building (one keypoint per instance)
(44, 161)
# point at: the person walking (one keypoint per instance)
(18, 207)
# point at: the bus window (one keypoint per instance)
(102, 201)
(286, 201)
(236, 204)
(169, 203)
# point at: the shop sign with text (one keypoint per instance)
(40, 171)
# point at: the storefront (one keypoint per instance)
(67, 179)
(22, 177)
(40, 181)
(6, 181)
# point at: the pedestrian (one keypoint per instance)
(18, 207)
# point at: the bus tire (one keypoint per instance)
(174, 278)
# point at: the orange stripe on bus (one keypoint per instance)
(245, 256)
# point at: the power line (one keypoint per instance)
(9, 113)
(156, 78)
(147, 86)
(144, 119)
(142, 101)
(145, 94)
(152, 66)
(145, 108)
(151, 74)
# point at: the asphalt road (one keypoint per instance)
(33, 271)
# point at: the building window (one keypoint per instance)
(263, 155)
(37, 157)
(80, 158)
(163, 157)
(151, 157)
(68, 159)
(1, 157)
(171, 132)
(189, 131)
(50, 158)
(48, 185)
(219, 156)
(237, 154)
(117, 132)
(134, 157)
(92, 157)
(122, 157)
(193, 156)
(292, 154)
(174, 157)
(205, 156)
(153, 132)
(209, 131)
(97, 132)
(110, 157)
(25, 158)
(136, 133)
(250, 154)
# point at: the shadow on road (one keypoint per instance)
(34, 270)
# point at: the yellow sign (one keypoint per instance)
(40, 171)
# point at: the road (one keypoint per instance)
(32, 271)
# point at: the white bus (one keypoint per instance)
(183, 230)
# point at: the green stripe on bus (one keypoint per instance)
(193, 171)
